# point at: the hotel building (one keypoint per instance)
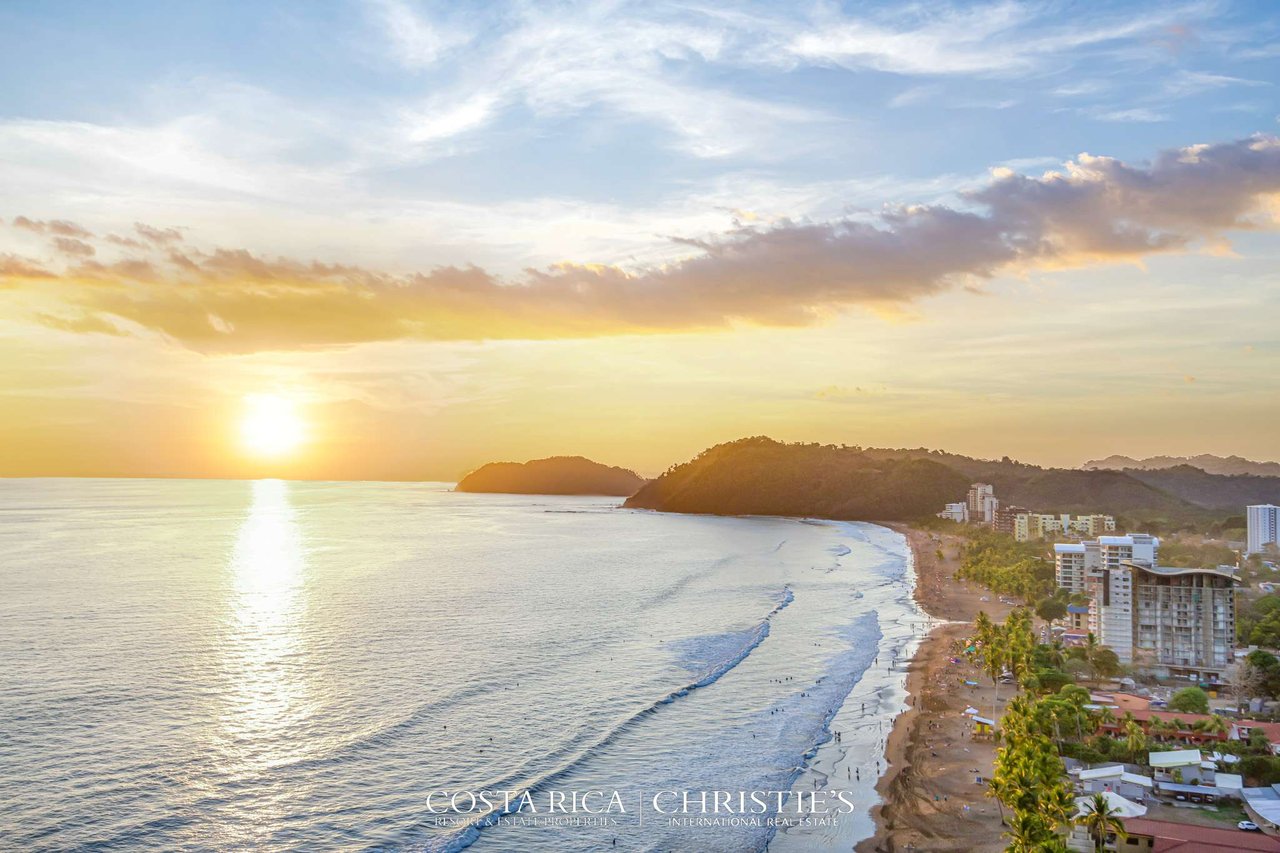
(1173, 621)
(1039, 525)
(1005, 518)
(982, 503)
(1263, 521)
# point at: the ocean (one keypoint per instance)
(269, 665)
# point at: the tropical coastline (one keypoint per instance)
(929, 799)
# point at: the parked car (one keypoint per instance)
(1248, 826)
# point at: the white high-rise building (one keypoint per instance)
(1074, 563)
(1113, 594)
(982, 503)
(1134, 546)
(1111, 611)
(1175, 620)
(1264, 526)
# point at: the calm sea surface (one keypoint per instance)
(212, 665)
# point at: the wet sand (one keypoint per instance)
(930, 798)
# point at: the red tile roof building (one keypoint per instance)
(1164, 836)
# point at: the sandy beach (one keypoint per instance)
(931, 800)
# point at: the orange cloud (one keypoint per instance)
(1097, 209)
(15, 269)
(58, 227)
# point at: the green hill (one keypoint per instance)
(557, 475)
(1214, 491)
(760, 476)
(1175, 493)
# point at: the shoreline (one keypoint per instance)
(928, 796)
(865, 715)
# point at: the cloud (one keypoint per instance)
(59, 227)
(74, 247)
(80, 325)
(632, 61)
(157, 236)
(986, 39)
(1155, 105)
(14, 270)
(1101, 207)
(913, 95)
(1145, 115)
(1096, 209)
(1185, 83)
(416, 43)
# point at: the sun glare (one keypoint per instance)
(271, 425)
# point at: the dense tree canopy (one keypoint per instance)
(1258, 622)
(1006, 566)
(760, 476)
(1190, 700)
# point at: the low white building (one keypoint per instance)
(1113, 778)
(1179, 766)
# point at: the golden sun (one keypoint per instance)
(271, 425)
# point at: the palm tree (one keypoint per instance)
(1027, 833)
(1100, 819)
(995, 655)
(1106, 717)
(1215, 727)
(983, 629)
(1135, 739)
(1160, 728)
(1092, 651)
(1056, 654)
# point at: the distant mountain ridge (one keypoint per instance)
(1228, 465)
(765, 477)
(555, 475)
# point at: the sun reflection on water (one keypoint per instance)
(264, 649)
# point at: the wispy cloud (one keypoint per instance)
(415, 41)
(1185, 83)
(1096, 209)
(985, 39)
(1144, 115)
(631, 60)
(914, 95)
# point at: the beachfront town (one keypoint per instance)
(1125, 684)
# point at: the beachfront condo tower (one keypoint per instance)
(1171, 621)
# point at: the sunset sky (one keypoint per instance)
(430, 235)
